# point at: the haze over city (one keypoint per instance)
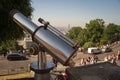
(69, 13)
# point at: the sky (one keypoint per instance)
(69, 13)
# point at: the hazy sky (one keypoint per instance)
(62, 13)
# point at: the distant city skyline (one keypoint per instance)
(69, 13)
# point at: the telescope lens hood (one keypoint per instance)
(12, 12)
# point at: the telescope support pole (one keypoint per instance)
(42, 67)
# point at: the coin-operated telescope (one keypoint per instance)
(48, 39)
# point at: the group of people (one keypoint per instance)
(112, 58)
(94, 59)
(90, 60)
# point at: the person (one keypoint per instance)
(23, 51)
(10, 51)
(88, 60)
(95, 59)
(4, 51)
(83, 61)
(113, 59)
(118, 55)
(54, 61)
(106, 59)
(109, 58)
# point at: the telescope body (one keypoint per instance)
(55, 44)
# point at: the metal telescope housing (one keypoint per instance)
(55, 43)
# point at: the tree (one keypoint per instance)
(95, 33)
(82, 36)
(74, 32)
(111, 33)
(8, 29)
(95, 29)
(88, 44)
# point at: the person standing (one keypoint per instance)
(4, 51)
(83, 61)
(54, 61)
(118, 55)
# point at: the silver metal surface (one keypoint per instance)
(48, 64)
(57, 32)
(40, 73)
(54, 45)
(51, 42)
(23, 21)
(42, 60)
(42, 76)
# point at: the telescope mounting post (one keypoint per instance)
(42, 67)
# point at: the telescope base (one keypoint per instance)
(41, 74)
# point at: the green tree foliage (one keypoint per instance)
(95, 33)
(82, 36)
(8, 29)
(88, 44)
(95, 29)
(8, 45)
(111, 33)
(73, 32)
(89, 35)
